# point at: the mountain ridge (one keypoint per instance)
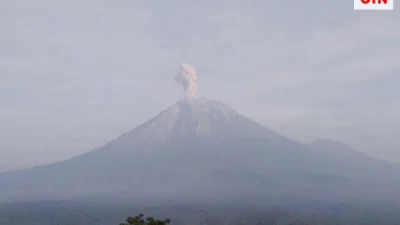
(202, 147)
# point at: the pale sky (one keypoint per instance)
(75, 74)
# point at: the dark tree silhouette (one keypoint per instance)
(139, 220)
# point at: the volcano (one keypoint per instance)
(204, 148)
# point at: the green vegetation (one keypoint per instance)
(139, 220)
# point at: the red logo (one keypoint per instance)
(373, 4)
(374, 1)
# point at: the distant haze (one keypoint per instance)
(76, 74)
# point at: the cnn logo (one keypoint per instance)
(373, 4)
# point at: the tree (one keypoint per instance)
(139, 220)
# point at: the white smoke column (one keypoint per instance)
(187, 77)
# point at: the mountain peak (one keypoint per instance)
(199, 118)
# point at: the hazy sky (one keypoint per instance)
(75, 74)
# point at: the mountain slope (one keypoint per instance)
(203, 147)
(197, 119)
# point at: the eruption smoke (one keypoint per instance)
(187, 77)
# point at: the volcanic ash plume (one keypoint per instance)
(187, 77)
